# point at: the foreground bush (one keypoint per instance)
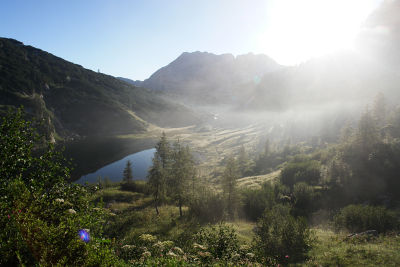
(220, 241)
(358, 218)
(40, 213)
(281, 237)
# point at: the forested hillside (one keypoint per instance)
(73, 102)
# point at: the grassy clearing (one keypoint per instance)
(113, 194)
(255, 182)
(244, 230)
(334, 250)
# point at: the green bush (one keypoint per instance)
(40, 213)
(281, 237)
(255, 201)
(303, 199)
(358, 218)
(220, 241)
(308, 171)
(207, 206)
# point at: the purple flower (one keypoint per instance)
(84, 236)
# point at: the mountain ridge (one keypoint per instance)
(75, 102)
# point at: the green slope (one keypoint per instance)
(74, 102)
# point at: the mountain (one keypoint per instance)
(205, 78)
(342, 78)
(131, 82)
(72, 101)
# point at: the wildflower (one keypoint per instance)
(287, 256)
(147, 238)
(60, 200)
(84, 235)
(71, 211)
(204, 254)
(178, 250)
(146, 254)
(250, 255)
(195, 245)
(8, 216)
(128, 246)
(171, 254)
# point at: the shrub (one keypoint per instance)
(307, 171)
(221, 241)
(303, 199)
(255, 201)
(40, 213)
(281, 237)
(207, 206)
(358, 218)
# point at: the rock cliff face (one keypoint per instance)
(72, 102)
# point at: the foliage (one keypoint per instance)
(207, 206)
(135, 186)
(127, 176)
(304, 198)
(40, 214)
(182, 171)
(357, 218)
(229, 186)
(301, 170)
(255, 201)
(220, 240)
(333, 249)
(245, 164)
(282, 237)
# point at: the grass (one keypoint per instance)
(334, 250)
(255, 182)
(244, 230)
(136, 215)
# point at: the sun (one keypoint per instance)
(301, 29)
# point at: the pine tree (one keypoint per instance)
(379, 109)
(229, 183)
(127, 175)
(160, 170)
(367, 134)
(244, 162)
(156, 182)
(163, 151)
(181, 173)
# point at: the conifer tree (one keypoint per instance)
(181, 173)
(127, 175)
(229, 184)
(160, 170)
(156, 182)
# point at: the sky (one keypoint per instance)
(133, 38)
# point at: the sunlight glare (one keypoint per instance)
(299, 30)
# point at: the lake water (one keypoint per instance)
(141, 161)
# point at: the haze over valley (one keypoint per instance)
(143, 134)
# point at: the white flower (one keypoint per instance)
(60, 200)
(178, 250)
(171, 254)
(71, 211)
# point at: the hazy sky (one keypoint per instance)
(135, 38)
